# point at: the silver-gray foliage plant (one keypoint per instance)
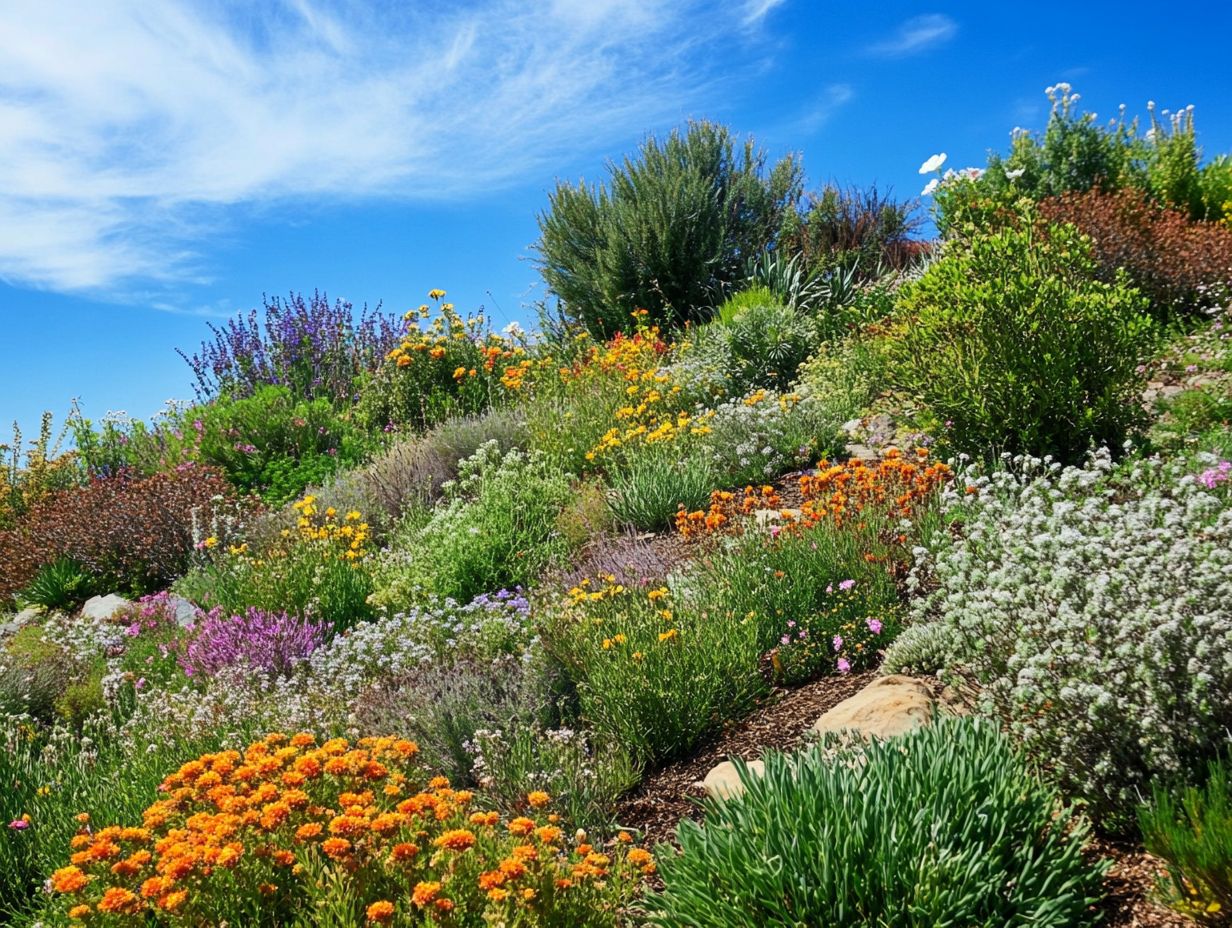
(1091, 611)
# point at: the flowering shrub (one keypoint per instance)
(897, 486)
(763, 434)
(1178, 264)
(454, 367)
(135, 534)
(319, 570)
(495, 527)
(943, 826)
(1089, 608)
(29, 475)
(263, 641)
(1009, 339)
(308, 345)
(351, 833)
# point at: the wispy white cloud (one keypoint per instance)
(832, 98)
(918, 34)
(757, 10)
(131, 131)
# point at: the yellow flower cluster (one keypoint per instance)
(347, 536)
(266, 820)
(464, 348)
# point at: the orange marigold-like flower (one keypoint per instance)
(521, 826)
(79, 912)
(119, 900)
(308, 831)
(69, 880)
(487, 819)
(381, 912)
(538, 798)
(336, 848)
(173, 901)
(496, 894)
(425, 892)
(456, 839)
(549, 834)
(404, 851)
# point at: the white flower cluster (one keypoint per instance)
(1091, 610)
(766, 433)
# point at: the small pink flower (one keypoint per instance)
(846, 585)
(838, 642)
(874, 626)
(786, 639)
(19, 824)
(843, 665)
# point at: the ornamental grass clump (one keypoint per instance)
(1088, 610)
(292, 831)
(944, 826)
(1192, 832)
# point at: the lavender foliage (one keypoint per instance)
(270, 642)
(315, 347)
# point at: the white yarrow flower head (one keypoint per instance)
(1015, 174)
(513, 329)
(933, 164)
(930, 187)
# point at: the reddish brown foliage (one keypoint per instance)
(1169, 258)
(134, 533)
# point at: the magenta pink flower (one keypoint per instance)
(844, 665)
(874, 626)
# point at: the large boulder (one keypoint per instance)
(886, 707)
(103, 607)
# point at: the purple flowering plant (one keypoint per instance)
(268, 642)
(314, 347)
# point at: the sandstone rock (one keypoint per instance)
(767, 517)
(886, 707)
(103, 607)
(722, 782)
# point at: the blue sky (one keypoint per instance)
(165, 163)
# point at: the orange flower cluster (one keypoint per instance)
(271, 817)
(897, 485)
(725, 506)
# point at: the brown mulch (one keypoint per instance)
(672, 793)
(668, 795)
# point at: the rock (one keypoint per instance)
(886, 707)
(103, 607)
(852, 427)
(722, 782)
(28, 615)
(185, 612)
(862, 453)
(767, 517)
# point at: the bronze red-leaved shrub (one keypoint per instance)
(134, 533)
(1174, 261)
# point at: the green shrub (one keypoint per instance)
(945, 826)
(1011, 340)
(34, 673)
(274, 444)
(453, 367)
(818, 605)
(860, 231)
(494, 528)
(651, 485)
(1193, 834)
(673, 226)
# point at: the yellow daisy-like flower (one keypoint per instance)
(435, 294)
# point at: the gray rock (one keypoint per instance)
(103, 607)
(185, 612)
